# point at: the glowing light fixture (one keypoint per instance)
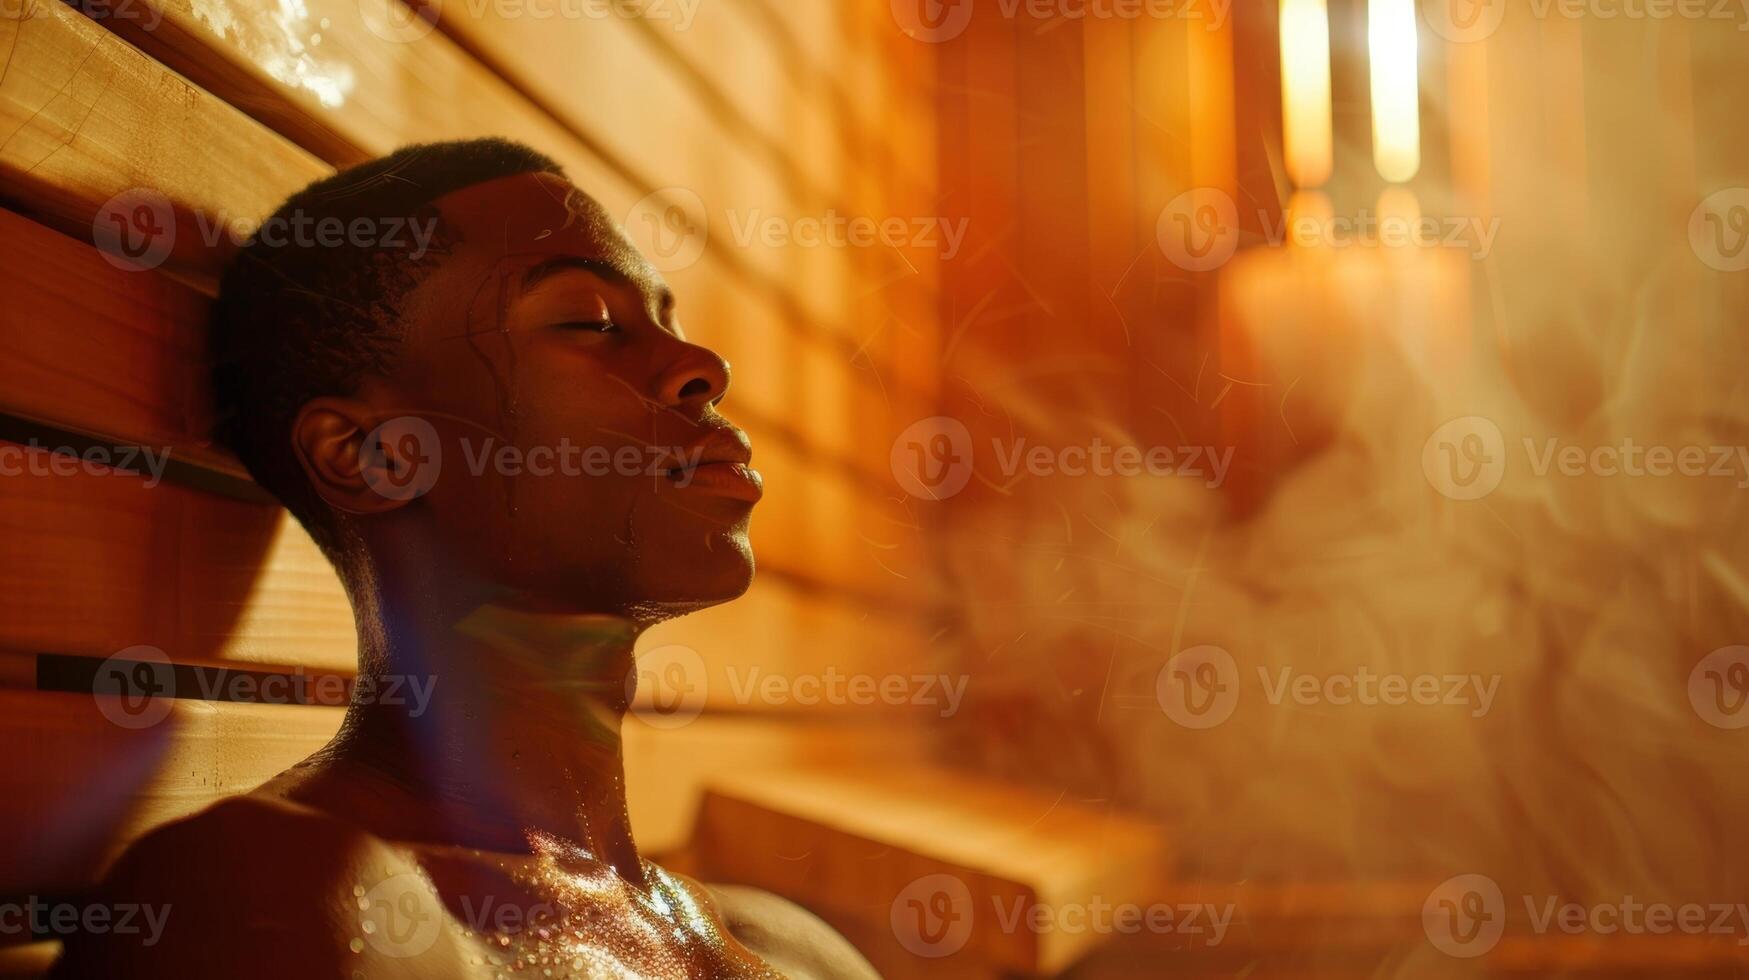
(1396, 106)
(1305, 91)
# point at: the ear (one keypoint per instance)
(362, 462)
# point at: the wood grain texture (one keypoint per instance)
(87, 117)
(859, 842)
(779, 650)
(583, 70)
(93, 562)
(89, 346)
(81, 787)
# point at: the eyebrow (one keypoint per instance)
(543, 271)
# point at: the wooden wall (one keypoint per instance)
(735, 106)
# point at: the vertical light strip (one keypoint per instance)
(1209, 54)
(1305, 91)
(1396, 94)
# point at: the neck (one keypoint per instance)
(503, 726)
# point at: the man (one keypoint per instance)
(479, 402)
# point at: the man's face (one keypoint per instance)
(584, 465)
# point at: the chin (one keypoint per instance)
(703, 579)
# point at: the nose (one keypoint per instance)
(696, 377)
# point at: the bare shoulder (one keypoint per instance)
(787, 936)
(255, 887)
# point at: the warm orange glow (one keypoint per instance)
(1308, 209)
(1467, 92)
(1399, 206)
(1396, 110)
(1210, 58)
(1305, 91)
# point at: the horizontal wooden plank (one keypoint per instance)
(734, 68)
(668, 771)
(780, 650)
(89, 346)
(866, 541)
(338, 79)
(92, 562)
(89, 117)
(866, 842)
(81, 788)
(666, 137)
(836, 48)
(745, 71)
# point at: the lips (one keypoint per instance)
(718, 464)
(727, 479)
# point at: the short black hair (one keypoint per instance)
(304, 314)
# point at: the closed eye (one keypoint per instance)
(594, 326)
